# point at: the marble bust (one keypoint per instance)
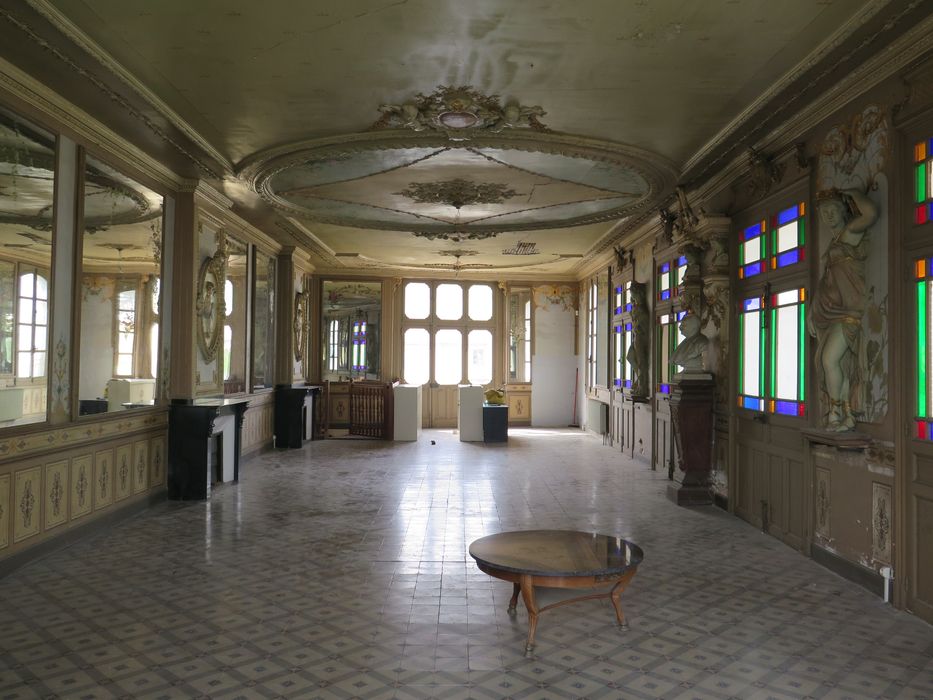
(689, 354)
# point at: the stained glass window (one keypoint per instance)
(620, 294)
(787, 236)
(627, 297)
(359, 346)
(664, 281)
(923, 181)
(619, 345)
(923, 272)
(752, 354)
(788, 363)
(664, 352)
(752, 250)
(681, 271)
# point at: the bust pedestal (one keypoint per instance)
(692, 403)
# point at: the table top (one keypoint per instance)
(557, 553)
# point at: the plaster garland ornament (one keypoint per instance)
(210, 306)
(456, 236)
(458, 192)
(459, 108)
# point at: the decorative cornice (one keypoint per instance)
(844, 31)
(108, 62)
(88, 129)
(912, 44)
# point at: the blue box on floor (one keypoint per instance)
(495, 423)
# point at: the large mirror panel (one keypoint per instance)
(264, 322)
(234, 330)
(351, 324)
(27, 185)
(121, 257)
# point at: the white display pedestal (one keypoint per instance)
(470, 413)
(136, 391)
(407, 413)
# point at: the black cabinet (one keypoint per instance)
(295, 414)
(495, 423)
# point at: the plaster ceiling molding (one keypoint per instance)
(521, 181)
(457, 111)
(456, 236)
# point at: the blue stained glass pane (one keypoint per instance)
(628, 326)
(618, 309)
(788, 258)
(787, 408)
(752, 231)
(787, 215)
(617, 382)
(628, 383)
(930, 147)
(680, 315)
(665, 388)
(619, 290)
(753, 304)
(628, 307)
(618, 329)
(929, 431)
(666, 294)
(682, 260)
(752, 403)
(753, 269)
(930, 211)
(666, 267)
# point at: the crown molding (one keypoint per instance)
(785, 81)
(85, 128)
(73, 33)
(881, 65)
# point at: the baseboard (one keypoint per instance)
(863, 576)
(73, 535)
(721, 501)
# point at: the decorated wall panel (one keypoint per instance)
(258, 423)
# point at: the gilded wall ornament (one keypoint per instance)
(458, 192)
(456, 108)
(299, 324)
(210, 306)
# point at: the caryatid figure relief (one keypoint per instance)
(835, 317)
(638, 353)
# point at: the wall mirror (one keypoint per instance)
(520, 311)
(351, 322)
(27, 184)
(264, 322)
(120, 297)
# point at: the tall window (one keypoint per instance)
(359, 346)
(126, 331)
(622, 332)
(923, 272)
(772, 310)
(923, 181)
(669, 337)
(333, 344)
(33, 324)
(591, 349)
(448, 333)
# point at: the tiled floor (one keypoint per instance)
(341, 571)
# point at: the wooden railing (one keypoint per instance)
(370, 410)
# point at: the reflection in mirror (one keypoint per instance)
(234, 333)
(27, 181)
(350, 323)
(519, 335)
(121, 258)
(263, 322)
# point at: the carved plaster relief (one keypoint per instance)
(81, 486)
(140, 466)
(56, 494)
(882, 519)
(822, 503)
(103, 478)
(123, 465)
(26, 503)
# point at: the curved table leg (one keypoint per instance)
(512, 603)
(528, 596)
(615, 596)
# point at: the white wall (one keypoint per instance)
(97, 324)
(554, 363)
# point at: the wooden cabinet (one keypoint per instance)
(519, 401)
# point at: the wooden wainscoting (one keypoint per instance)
(258, 423)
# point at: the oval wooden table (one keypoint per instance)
(558, 559)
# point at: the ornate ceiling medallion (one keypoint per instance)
(458, 192)
(458, 108)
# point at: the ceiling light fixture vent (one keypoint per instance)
(522, 248)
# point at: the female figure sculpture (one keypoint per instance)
(836, 312)
(638, 352)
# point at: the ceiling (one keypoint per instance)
(622, 96)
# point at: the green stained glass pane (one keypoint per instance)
(922, 331)
(921, 182)
(800, 230)
(801, 363)
(742, 354)
(773, 364)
